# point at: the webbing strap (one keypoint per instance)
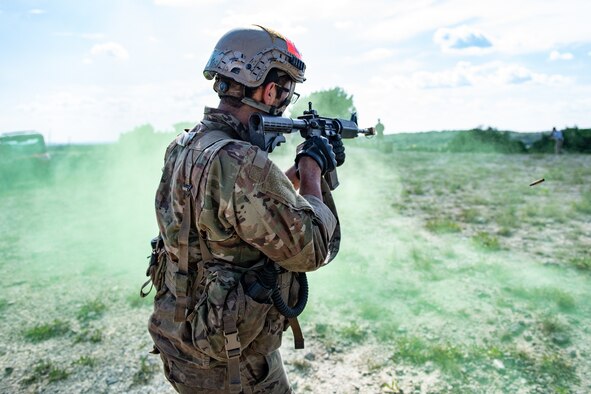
(298, 337)
(143, 293)
(181, 277)
(182, 274)
(233, 352)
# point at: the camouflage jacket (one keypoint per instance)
(249, 211)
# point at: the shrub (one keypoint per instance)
(91, 310)
(46, 331)
(87, 335)
(560, 370)
(417, 351)
(86, 361)
(354, 333)
(46, 370)
(582, 263)
(145, 372)
(555, 330)
(487, 241)
(442, 225)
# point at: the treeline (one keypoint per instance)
(488, 140)
(145, 139)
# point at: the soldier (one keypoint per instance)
(234, 227)
(379, 127)
(558, 138)
(379, 130)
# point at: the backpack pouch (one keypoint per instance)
(223, 293)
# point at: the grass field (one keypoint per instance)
(454, 276)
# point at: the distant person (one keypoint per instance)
(558, 138)
(380, 133)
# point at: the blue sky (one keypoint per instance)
(85, 71)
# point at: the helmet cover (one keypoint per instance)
(246, 55)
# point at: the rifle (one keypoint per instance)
(269, 131)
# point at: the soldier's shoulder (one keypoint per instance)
(243, 154)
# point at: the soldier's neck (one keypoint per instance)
(242, 114)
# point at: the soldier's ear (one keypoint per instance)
(269, 93)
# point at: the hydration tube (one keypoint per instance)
(285, 309)
(268, 279)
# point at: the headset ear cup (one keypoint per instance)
(223, 87)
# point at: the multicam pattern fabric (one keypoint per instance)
(260, 374)
(249, 212)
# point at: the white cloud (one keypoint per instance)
(556, 55)
(463, 39)
(489, 75)
(459, 76)
(519, 107)
(514, 75)
(36, 11)
(112, 49)
(523, 29)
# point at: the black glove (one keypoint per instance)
(319, 149)
(336, 141)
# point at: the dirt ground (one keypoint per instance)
(455, 276)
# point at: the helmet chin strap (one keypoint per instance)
(269, 109)
(256, 135)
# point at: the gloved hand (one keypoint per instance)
(319, 149)
(336, 141)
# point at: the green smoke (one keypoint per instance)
(448, 261)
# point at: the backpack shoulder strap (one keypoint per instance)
(199, 156)
(205, 148)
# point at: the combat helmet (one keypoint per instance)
(246, 55)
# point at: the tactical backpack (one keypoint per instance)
(224, 304)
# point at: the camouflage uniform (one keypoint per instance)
(246, 211)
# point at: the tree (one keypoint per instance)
(331, 103)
